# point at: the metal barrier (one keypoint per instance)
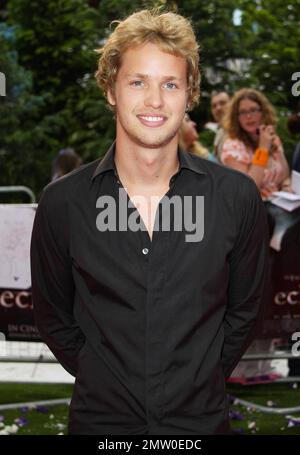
(11, 351)
(47, 357)
(19, 189)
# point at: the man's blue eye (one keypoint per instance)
(137, 83)
(170, 85)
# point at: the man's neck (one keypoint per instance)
(142, 167)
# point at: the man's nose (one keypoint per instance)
(154, 96)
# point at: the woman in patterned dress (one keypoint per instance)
(250, 124)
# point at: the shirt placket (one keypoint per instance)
(156, 317)
(154, 255)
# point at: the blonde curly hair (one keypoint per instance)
(171, 32)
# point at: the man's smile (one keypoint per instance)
(152, 120)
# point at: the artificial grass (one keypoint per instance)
(277, 395)
(48, 421)
(283, 395)
(24, 392)
(53, 419)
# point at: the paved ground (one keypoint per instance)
(30, 372)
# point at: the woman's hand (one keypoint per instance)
(266, 136)
(270, 175)
(267, 191)
(277, 148)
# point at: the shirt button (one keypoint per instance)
(145, 251)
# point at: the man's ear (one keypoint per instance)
(111, 98)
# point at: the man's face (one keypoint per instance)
(218, 105)
(150, 96)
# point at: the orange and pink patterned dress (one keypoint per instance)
(234, 148)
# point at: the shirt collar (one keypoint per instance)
(186, 161)
(107, 163)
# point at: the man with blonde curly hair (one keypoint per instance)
(148, 266)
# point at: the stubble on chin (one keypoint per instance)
(160, 141)
(155, 139)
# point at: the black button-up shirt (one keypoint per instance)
(150, 329)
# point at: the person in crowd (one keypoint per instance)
(188, 139)
(293, 124)
(148, 323)
(66, 161)
(219, 102)
(252, 145)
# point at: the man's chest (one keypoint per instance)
(141, 237)
(146, 203)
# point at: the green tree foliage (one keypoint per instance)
(55, 44)
(272, 32)
(18, 116)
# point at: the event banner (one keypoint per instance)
(282, 314)
(16, 315)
